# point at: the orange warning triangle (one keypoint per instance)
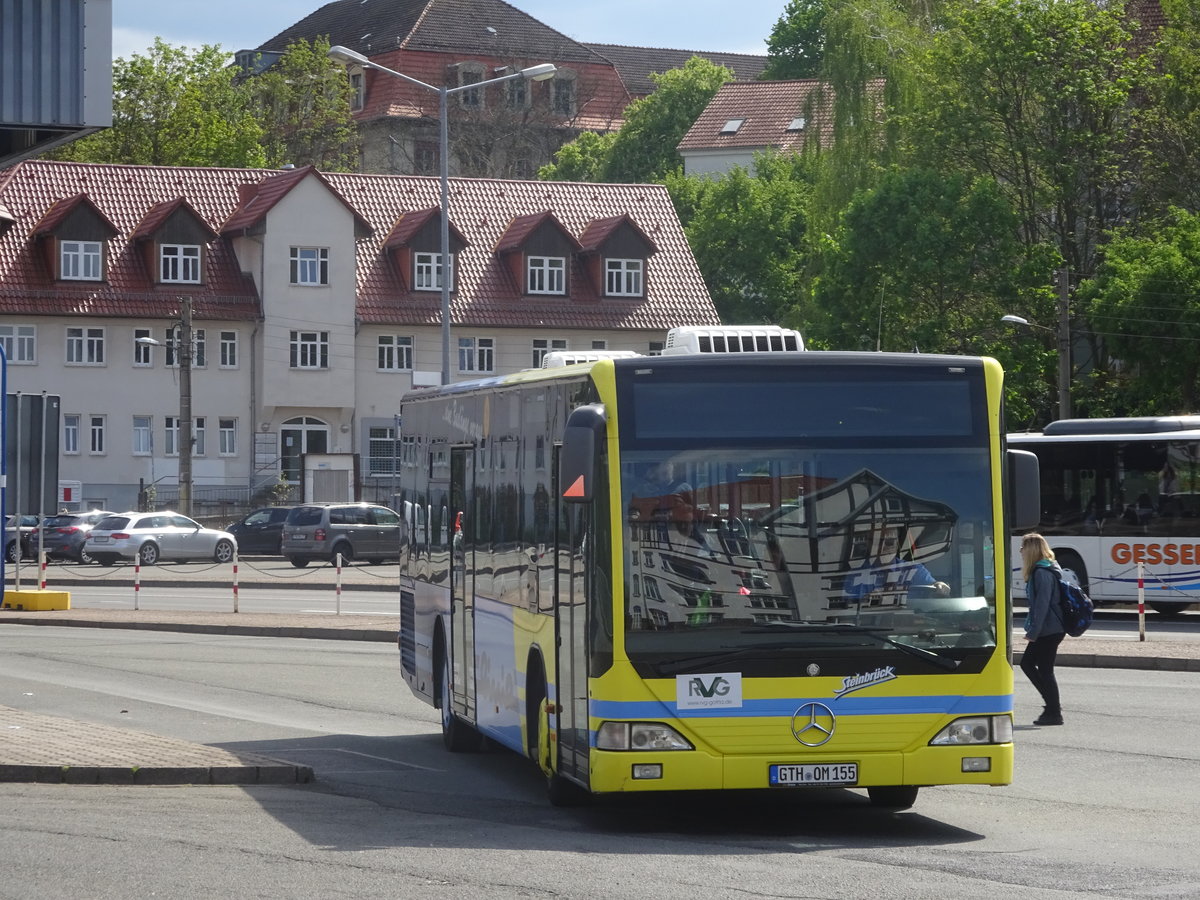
(576, 489)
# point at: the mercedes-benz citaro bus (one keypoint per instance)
(753, 567)
(1119, 492)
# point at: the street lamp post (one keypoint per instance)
(533, 73)
(1063, 338)
(183, 355)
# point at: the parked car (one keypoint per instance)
(355, 530)
(62, 536)
(28, 525)
(261, 531)
(155, 537)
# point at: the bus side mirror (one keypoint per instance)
(586, 429)
(1024, 491)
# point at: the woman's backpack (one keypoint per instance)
(1076, 607)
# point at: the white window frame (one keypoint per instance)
(198, 432)
(171, 430)
(358, 89)
(20, 344)
(394, 353)
(97, 426)
(476, 355)
(542, 346)
(518, 93)
(85, 346)
(143, 354)
(179, 263)
(80, 260)
(308, 350)
(382, 464)
(624, 277)
(427, 271)
(546, 274)
(143, 436)
(309, 266)
(227, 436)
(229, 350)
(70, 445)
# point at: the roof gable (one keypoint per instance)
(522, 229)
(600, 231)
(64, 210)
(260, 199)
(157, 216)
(412, 226)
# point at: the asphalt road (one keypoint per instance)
(1103, 806)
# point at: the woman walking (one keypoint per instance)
(1043, 624)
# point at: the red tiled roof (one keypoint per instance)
(481, 209)
(158, 214)
(767, 109)
(126, 195)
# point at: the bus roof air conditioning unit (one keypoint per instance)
(558, 358)
(732, 339)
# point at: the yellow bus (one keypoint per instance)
(700, 571)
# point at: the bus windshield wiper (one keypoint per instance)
(677, 666)
(874, 632)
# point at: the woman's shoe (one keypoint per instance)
(1049, 718)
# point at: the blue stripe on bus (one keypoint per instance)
(948, 704)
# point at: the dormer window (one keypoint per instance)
(358, 91)
(546, 274)
(427, 271)
(80, 260)
(623, 277)
(179, 263)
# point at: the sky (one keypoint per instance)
(711, 25)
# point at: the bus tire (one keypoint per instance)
(895, 797)
(457, 735)
(1170, 610)
(565, 793)
(1069, 559)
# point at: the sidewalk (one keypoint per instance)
(41, 748)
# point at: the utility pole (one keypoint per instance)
(1064, 343)
(184, 350)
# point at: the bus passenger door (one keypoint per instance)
(462, 584)
(572, 544)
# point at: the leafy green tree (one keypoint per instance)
(748, 235)
(175, 107)
(1037, 97)
(1145, 303)
(1171, 123)
(643, 149)
(303, 102)
(797, 42)
(930, 262)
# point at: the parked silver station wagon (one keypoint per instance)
(157, 537)
(355, 530)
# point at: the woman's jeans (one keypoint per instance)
(1037, 662)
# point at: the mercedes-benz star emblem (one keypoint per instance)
(813, 724)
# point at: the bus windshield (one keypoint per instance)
(871, 547)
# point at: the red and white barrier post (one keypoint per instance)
(1141, 601)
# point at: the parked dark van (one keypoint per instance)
(355, 530)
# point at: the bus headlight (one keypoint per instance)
(640, 736)
(976, 730)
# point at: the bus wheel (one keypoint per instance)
(564, 793)
(898, 797)
(1170, 610)
(457, 735)
(1069, 559)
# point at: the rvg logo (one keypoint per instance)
(718, 687)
